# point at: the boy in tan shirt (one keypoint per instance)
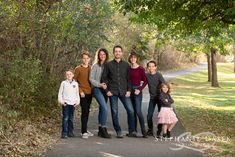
(82, 77)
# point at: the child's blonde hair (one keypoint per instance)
(68, 70)
(85, 53)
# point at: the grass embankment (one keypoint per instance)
(203, 108)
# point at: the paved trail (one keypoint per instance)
(126, 147)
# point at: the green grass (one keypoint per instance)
(204, 108)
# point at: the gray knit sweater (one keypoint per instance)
(95, 75)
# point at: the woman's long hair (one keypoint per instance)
(97, 59)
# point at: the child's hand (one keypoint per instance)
(76, 105)
(166, 100)
(109, 93)
(61, 102)
(64, 104)
(82, 95)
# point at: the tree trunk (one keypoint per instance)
(233, 50)
(234, 58)
(209, 66)
(156, 56)
(214, 81)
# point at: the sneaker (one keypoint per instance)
(119, 135)
(144, 133)
(168, 135)
(133, 134)
(89, 133)
(71, 135)
(158, 134)
(85, 135)
(164, 136)
(64, 136)
(150, 132)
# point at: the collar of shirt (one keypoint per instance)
(119, 61)
(152, 74)
(85, 67)
(70, 81)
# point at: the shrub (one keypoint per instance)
(20, 79)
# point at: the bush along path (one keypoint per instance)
(126, 147)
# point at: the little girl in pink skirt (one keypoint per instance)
(166, 116)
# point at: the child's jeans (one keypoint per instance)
(67, 119)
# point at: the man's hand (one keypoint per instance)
(128, 94)
(109, 93)
(137, 91)
(76, 105)
(82, 95)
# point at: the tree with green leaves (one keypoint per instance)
(185, 18)
(132, 36)
(208, 44)
(231, 34)
(182, 15)
(50, 35)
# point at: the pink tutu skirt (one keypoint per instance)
(167, 116)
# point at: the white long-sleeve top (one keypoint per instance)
(69, 93)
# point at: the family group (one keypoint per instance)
(116, 80)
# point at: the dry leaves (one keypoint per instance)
(25, 139)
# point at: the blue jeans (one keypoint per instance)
(151, 108)
(126, 101)
(137, 106)
(101, 98)
(67, 119)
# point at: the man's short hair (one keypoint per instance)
(117, 46)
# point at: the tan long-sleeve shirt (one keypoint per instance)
(81, 75)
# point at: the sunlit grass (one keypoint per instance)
(205, 108)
